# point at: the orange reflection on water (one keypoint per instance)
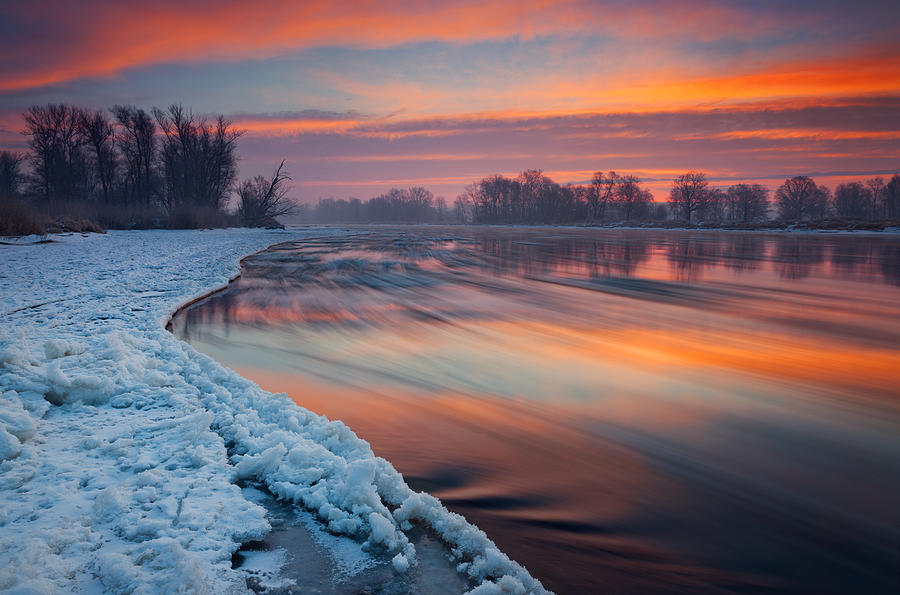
(656, 411)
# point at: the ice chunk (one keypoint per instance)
(10, 446)
(382, 531)
(507, 585)
(400, 563)
(55, 348)
(15, 420)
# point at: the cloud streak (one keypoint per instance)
(749, 142)
(57, 41)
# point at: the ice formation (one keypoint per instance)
(120, 446)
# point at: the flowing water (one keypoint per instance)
(620, 410)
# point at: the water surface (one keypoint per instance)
(620, 410)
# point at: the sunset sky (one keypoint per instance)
(359, 97)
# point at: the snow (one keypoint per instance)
(120, 446)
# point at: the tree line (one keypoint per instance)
(533, 198)
(411, 205)
(797, 199)
(609, 198)
(136, 168)
(131, 164)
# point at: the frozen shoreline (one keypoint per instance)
(121, 445)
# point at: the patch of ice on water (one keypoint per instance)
(265, 567)
(348, 557)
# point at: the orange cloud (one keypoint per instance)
(388, 157)
(105, 37)
(874, 71)
(795, 133)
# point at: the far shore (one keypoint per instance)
(823, 227)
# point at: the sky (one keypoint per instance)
(358, 97)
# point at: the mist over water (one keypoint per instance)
(626, 410)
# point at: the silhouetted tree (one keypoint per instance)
(689, 194)
(137, 141)
(198, 158)
(633, 201)
(713, 209)
(747, 203)
(462, 206)
(535, 186)
(11, 176)
(440, 206)
(852, 200)
(579, 207)
(892, 198)
(498, 199)
(799, 198)
(602, 193)
(98, 136)
(420, 199)
(57, 158)
(876, 205)
(263, 200)
(821, 201)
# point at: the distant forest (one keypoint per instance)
(610, 198)
(129, 168)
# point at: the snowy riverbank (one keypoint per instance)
(121, 446)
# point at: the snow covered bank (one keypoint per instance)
(120, 446)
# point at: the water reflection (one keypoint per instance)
(630, 411)
(796, 257)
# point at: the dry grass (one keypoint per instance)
(200, 218)
(20, 219)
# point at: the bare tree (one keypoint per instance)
(198, 158)
(713, 209)
(690, 193)
(11, 177)
(499, 199)
(747, 203)
(852, 200)
(892, 198)
(420, 199)
(534, 185)
(603, 190)
(800, 198)
(464, 205)
(137, 141)
(56, 150)
(440, 207)
(633, 200)
(876, 187)
(263, 200)
(821, 201)
(98, 135)
(219, 161)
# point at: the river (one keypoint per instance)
(620, 410)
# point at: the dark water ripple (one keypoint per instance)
(622, 411)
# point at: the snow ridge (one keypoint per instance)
(120, 445)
